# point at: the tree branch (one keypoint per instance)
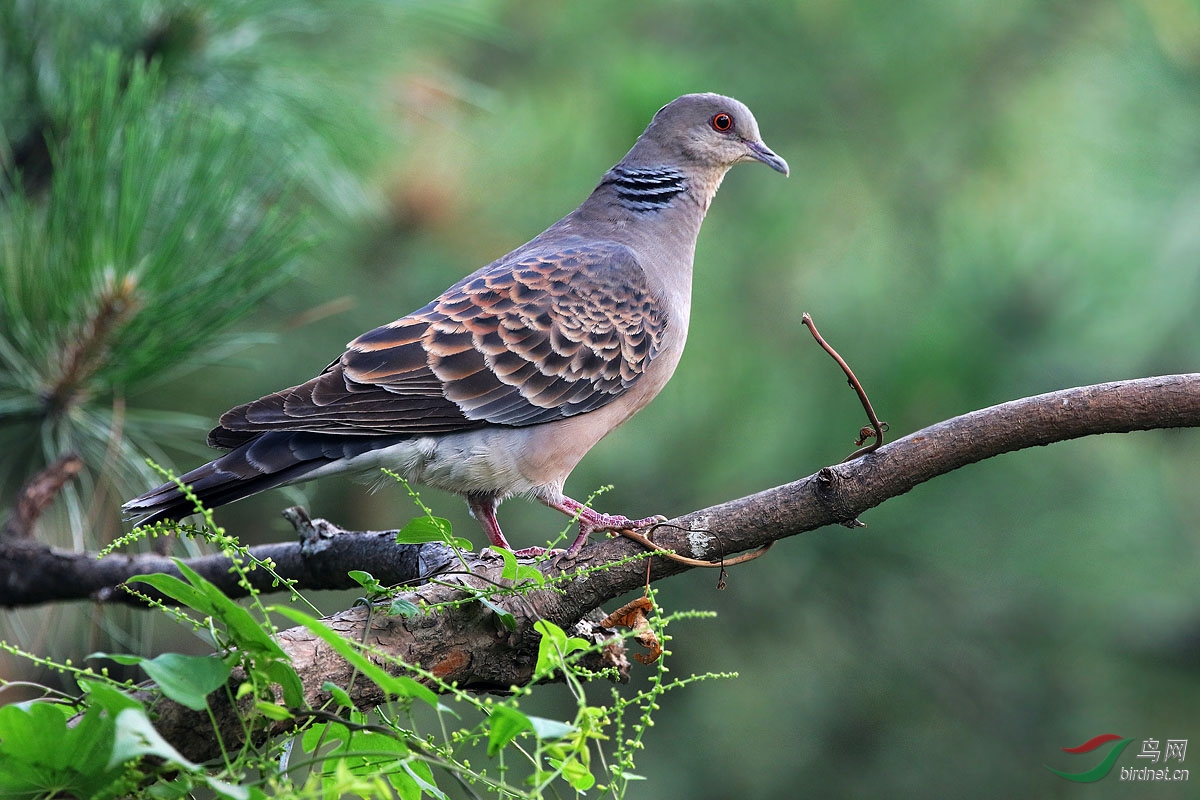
(462, 644)
(32, 573)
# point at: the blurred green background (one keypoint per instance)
(987, 201)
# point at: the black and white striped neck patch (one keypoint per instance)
(645, 188)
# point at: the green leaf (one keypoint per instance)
(201, 595)
(403, 608)
(421, 776)
(106, 697)
(506, 618)
(227, 789)
(424, 529)
(509, 573)
(366, 580)
(29, 731)
(577, 774)
(554, 647)
(175, 589)
(398, 685)
(185, 679)
(247, 632)
(527, 572)
(120, 658)
(405, 785)
(284, 674)
(516, 571)
(323, 732)
(174, 790)
(431, 529)
(40, 755)
(363, 751)
(550, 728)
(136, 737)
(339, 695)
(272, 711)
(505, 724)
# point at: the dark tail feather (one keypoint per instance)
(217, 483)
(273, 459)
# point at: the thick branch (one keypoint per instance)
(33, 573)
(464, 645)
(838, 494)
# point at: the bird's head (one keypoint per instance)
(706, 130)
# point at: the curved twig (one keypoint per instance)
(877, 428)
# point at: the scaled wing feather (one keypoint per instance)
(539, 335)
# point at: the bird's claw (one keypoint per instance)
(612, 523)
(616, 522)
(533, 552)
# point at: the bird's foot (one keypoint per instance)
(595, 521)
(615, 522)
(535, 551)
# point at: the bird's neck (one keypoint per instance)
(641, 203)
(644, 190)
(657, 210)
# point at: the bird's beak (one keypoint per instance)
(760, 152)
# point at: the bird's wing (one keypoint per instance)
(540, 335)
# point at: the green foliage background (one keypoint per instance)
(987, 201)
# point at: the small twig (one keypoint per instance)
(38, 493)
(877, 428)
(875, 432)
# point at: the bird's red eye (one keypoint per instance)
(722, 123)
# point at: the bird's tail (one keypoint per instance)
(273, 459)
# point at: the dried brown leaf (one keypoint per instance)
(632, 615)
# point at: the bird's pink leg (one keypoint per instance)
(483, 508)
(591, 521)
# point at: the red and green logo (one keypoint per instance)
(1100, 770)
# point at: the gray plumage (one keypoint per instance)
(505, 381)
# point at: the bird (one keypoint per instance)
(501, 385)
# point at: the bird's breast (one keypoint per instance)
(553, 449)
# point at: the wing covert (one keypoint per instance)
(542, 334)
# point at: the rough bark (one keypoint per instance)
(32, 573)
